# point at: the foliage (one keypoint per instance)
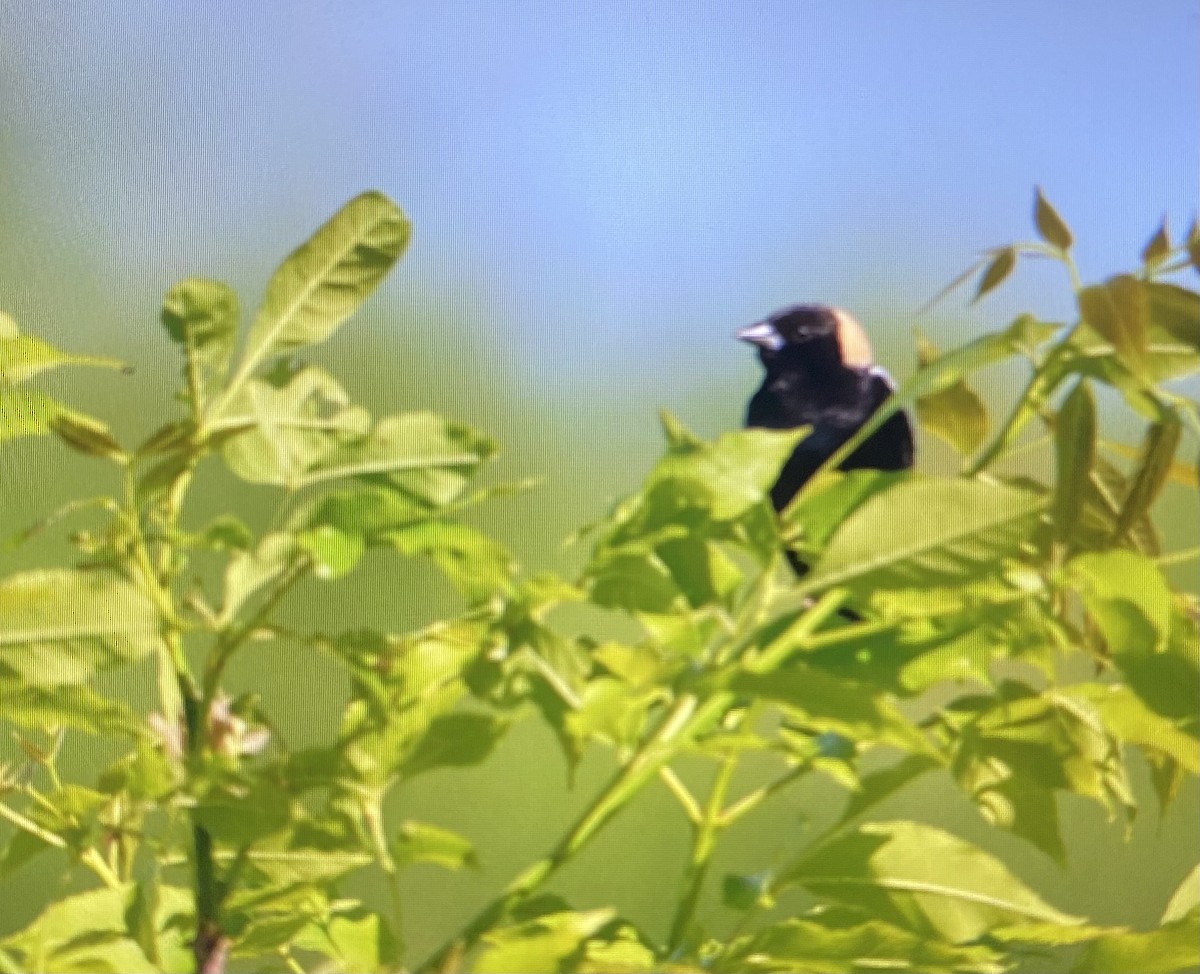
(210, 841)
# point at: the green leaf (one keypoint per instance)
(325, 280)
(1185, 899)
(817, 948)
(76, 706)
(291, 421)
(1050, 226)
(955, 413)
(1158, 248)
(996, 271)
(1129, 720)
(203, 317)
(1158, 453)
(23, 356)
(1119, 311)
(911, 874)
(1127, 595)
(87, 435)
(58, 627)
(242, 812)
(1173, 947)
(247, 572)
(8, 326)
(923, 532)
(454, 741)
(1193, 244)
(360, 944)
(880, 785)
(538, 946)
(477, 565)
(334, 553)
(421, 842)
(1074, 453)
(26, 412)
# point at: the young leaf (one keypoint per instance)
(539, 945)
(996, 271)
(324, 280)
(1158, 248)
(1127, 595)
(1052, 228)
(454, 741)
(87, 435)
(924, 532)
(26, 412)
(1119, 310)
(202, 316)
(479, 566)
(1158, 453)
(1185, 899)
(421, 842)
(1074, 453)
(1172, 948)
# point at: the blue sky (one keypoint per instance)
(608, 187)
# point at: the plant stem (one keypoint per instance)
(704, 843)
(686, 719)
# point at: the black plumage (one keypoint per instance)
(820, 373)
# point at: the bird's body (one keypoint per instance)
(820, 374)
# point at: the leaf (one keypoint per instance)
(478, 566)
(58, 627)
(996, 271)
(203, 317)
(1158, 248)
(813, 947)
(242, 812)
(1193, 244)
(923, 532)
(324, 281)
(955, 413)
(1173, 947)
(880, 785)
(1127, 595)
(8, 326)
(538, 946)
(290, 422)
(420, 842)
(1185, 899)
(1158, 453)
(87, 435)
(26, 412)
(1074, 454)
(907, 874)
(76, 706)
(23, 356)
(1050, 226)
(1119, 311)
(249, 571)
(454, 741)
(334, 553)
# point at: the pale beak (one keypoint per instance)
(763, 334)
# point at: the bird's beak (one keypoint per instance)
(764, 335)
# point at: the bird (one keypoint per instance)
(820, 372)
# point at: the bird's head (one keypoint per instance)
(812, 335)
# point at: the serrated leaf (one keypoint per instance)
(996, 272)
(906, 873)
(477, 565)
(1074, 454)
(1158, 247)
(1052, 228)
(538, 946)
(76, 706)
(924, 532)
(58, 627)
(203, 316)
(23, 356)
(324, 281)
(1127, 595)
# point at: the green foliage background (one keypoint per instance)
(518, 799)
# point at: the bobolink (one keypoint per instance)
(820, 373)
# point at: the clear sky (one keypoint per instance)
(609, 186)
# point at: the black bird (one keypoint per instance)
(820, 373)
